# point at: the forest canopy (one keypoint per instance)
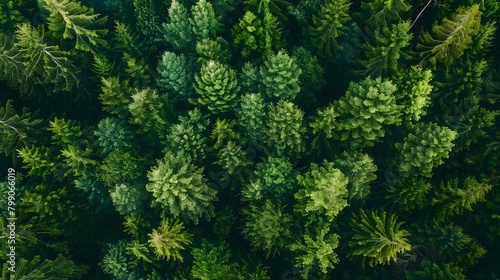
(252, 139)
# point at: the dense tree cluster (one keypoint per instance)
(255, 139)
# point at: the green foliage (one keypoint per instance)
(451, 37)
(249, 78)
(311, 79)
(43, 63)
(179, 187)
(267, 227)
(101, 66)
(280, 77)
(366, 108)
(409, 194)
(377, 238)
(222, 132)
(414, 88)
(284, 130)
(16, 130)
(127, 198)
(147, 18)
(10, 13)
(115, 96)
(65, 132)
(232, 158)
(45, 205)
(139, 252)
(251, 115)
(97, 194)
(37, 160)
(169, 240)
(211, 262)
(208, 49)
(316, 250)
(188, 135)
(78, 161)
(329, 24)
(456, 196)
(113, 134)
(178, 32)
(360, 170)
(431, 271)
(115, 261)
(74, 21)
(148, 112)
(323, 192)
(324, 123)
(134, 223)
(248, 34)
(383, 12)
(176, 75)
(119, 167)
(423, 148)
(273, 179)
(59, 268)
(384, 54)
(126, 40)
(203, 20)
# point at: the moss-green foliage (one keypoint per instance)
(216, 86)
(119, 167)
(203, 20)
(169, 240)
(247, 34)
(113, 134)
(178, 32)
(232, 157)
(249, 78)
(97, 194)
(148, 111)
(59, 268)
(127, 198)
(78, 161)
(423, 148)
(377, 237)
(311, 79)
(179, 187)
(316, 251)
(284, 130)
(251, 115)
(37, 160)
(365, 110)
(114, 262)
(409, 194)
(208, 49)
(382, 12)
(323, 192)
(280, 77)
(414, 89)
(329, 24)
(360, 170)
(146, 17)
(387, 49)
(267, 227)
(213, 262)
(115, 96)
(273, 179)
(176, 74)
(432, 271)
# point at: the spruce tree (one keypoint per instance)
(280, 77)
(169, 240)
(178, 31)
(203, 21)
(329, 24)
(176, 75)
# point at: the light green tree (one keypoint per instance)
(203, 21)
(74, 21)
(179, 187)
(280, 77)
(209, 49)
(148, 112)
(414, 89)
(377, 238)
(217, 86)
(78, 162)
(64, 132)
(423, 148)
(360, 170)
(119, 167)
(248, 34)
(115, 262)
(232, 157)
(384, 12)
(37, 160)
(284, 130)
(115, 96)
(176, 74)
(169, 240)
(329, 24)
(267, 227)
(323, 192)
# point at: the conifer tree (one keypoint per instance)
(97, 194)
(251, 115)
(384, 12)
(179, 187)
(178, 32)
(384, 54)
(146, 17)
(78, 161)
(176, 74)
(450, 38)
(377, 238)
(249, 78)
(360, 170)
(64, 132)
(119, 167)
(127, 198)
(323, 126)
(127, 40)
(329, 24)
(148, 112)
(37, 160)
(169, 240)
(267, 227)
(424, 148)
(280, 77)
(203, 21)
(432, 271)
(114, 262)
(223, 132)
(414, 88)
(232, 157)
(248, 34)
(409, 194)
(216, 86)
(115, 96)
(59, 268)
(211, 261)
(113, 134)
(366, 108)
(284, 130)
(74, 21)
(323, 193)
(311, 79)
(208, 49)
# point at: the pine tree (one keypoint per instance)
(74, 21)
(127, 198)
(384, 12)
(113, 134)
(179, 187)
(384, 54)
(366, 108)
(249, 78)
(329, 24)
(323, 192)
(414, 88)
(139, 251)
(423, 148)
(451, 37)
(267, 227)
(232, 157)
(78, 161)
(126, 40)
(10, 13)
(284, 130)
(120, 167)
(251, 115)
(148, 112)
(203, 20)
(360, 170)
(176, 74)
(431, 271)
(323, 126)
(97, 194)
(59, 268)
(16, 130)
(114, 262)
(211, 262)
(280, 77)
(217, 50)
(115, 96)
(216, 86)
(409, 194)
(273, 180)
(248, 34)
(169, 240)
(37, 160)
(377, 238)
(65, 132)
(178, 32)
(311, 79)
(147, 18)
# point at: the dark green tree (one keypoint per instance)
(115, 96)
(249, 78)
(360, 170)
(127, 198)
(409, 194)
(280, 77)
(178, 32)
(97, 194)
(16, 130)
(217, 50)
(311, 79)
(203, 21)
(115, 262)
(113, 134)
(119, 167)
(384, 12)
(329, 24)
(251, 113)
(176, 74)
(148, 111)
(432, 271)
(147, 18)
(59, 268)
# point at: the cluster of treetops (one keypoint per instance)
(254, 139)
